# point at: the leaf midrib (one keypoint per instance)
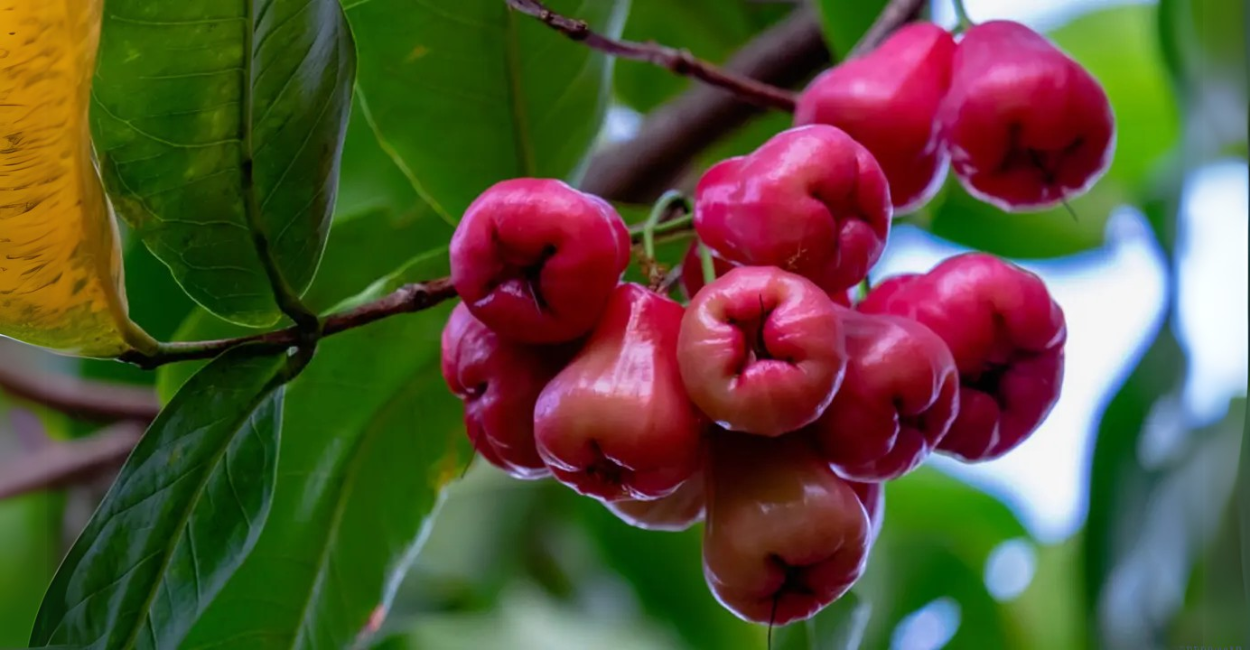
(167, 553)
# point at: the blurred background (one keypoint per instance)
(1115, 526)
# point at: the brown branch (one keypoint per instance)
(680, 62)
(639, 170)
(62, 463)
(87, 400)
(784, 55)
(407, 299)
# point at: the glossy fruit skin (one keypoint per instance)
(1007, 337)
(673, 513)
(536, 260)
(1027, 126)
(761, 351)
(811, 200)
(616, 423)
(498, 381)
(784, 535)
(872, 497)
(887, 100)
(896, 403)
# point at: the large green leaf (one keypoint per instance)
(839, 626)
(709, 29)
(374, 437)
(219, 126)
(465, 94)
(958, 217)
(369, 178)
(186, 510)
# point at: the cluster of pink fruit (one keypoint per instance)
(774, 405)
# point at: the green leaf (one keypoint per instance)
(185, 511)
(840, 626)
(844, 23)
(369, 179)
(466, 94)
(1131, 70)
(958, 217)
(376, 436)
(218, 126)
(709, 29)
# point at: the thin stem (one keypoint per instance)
(678, 226)
(680, 62)
(709, 267)
(961, 14)
(659, 212)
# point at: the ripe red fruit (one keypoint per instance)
(498, 381)
(673, 513)
(761, 350)
(887, 100)
(535, 259)
(1026, 125)
(1007, 337)
(785, 536)
(811, 200)
(897, 401)
(616, 422)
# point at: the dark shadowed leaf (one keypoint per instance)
(219, 126)
(186, 510)
(465, 94)
(372, 437)
(845, 22)
(840, 626)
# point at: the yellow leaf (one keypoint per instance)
(61, 284)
